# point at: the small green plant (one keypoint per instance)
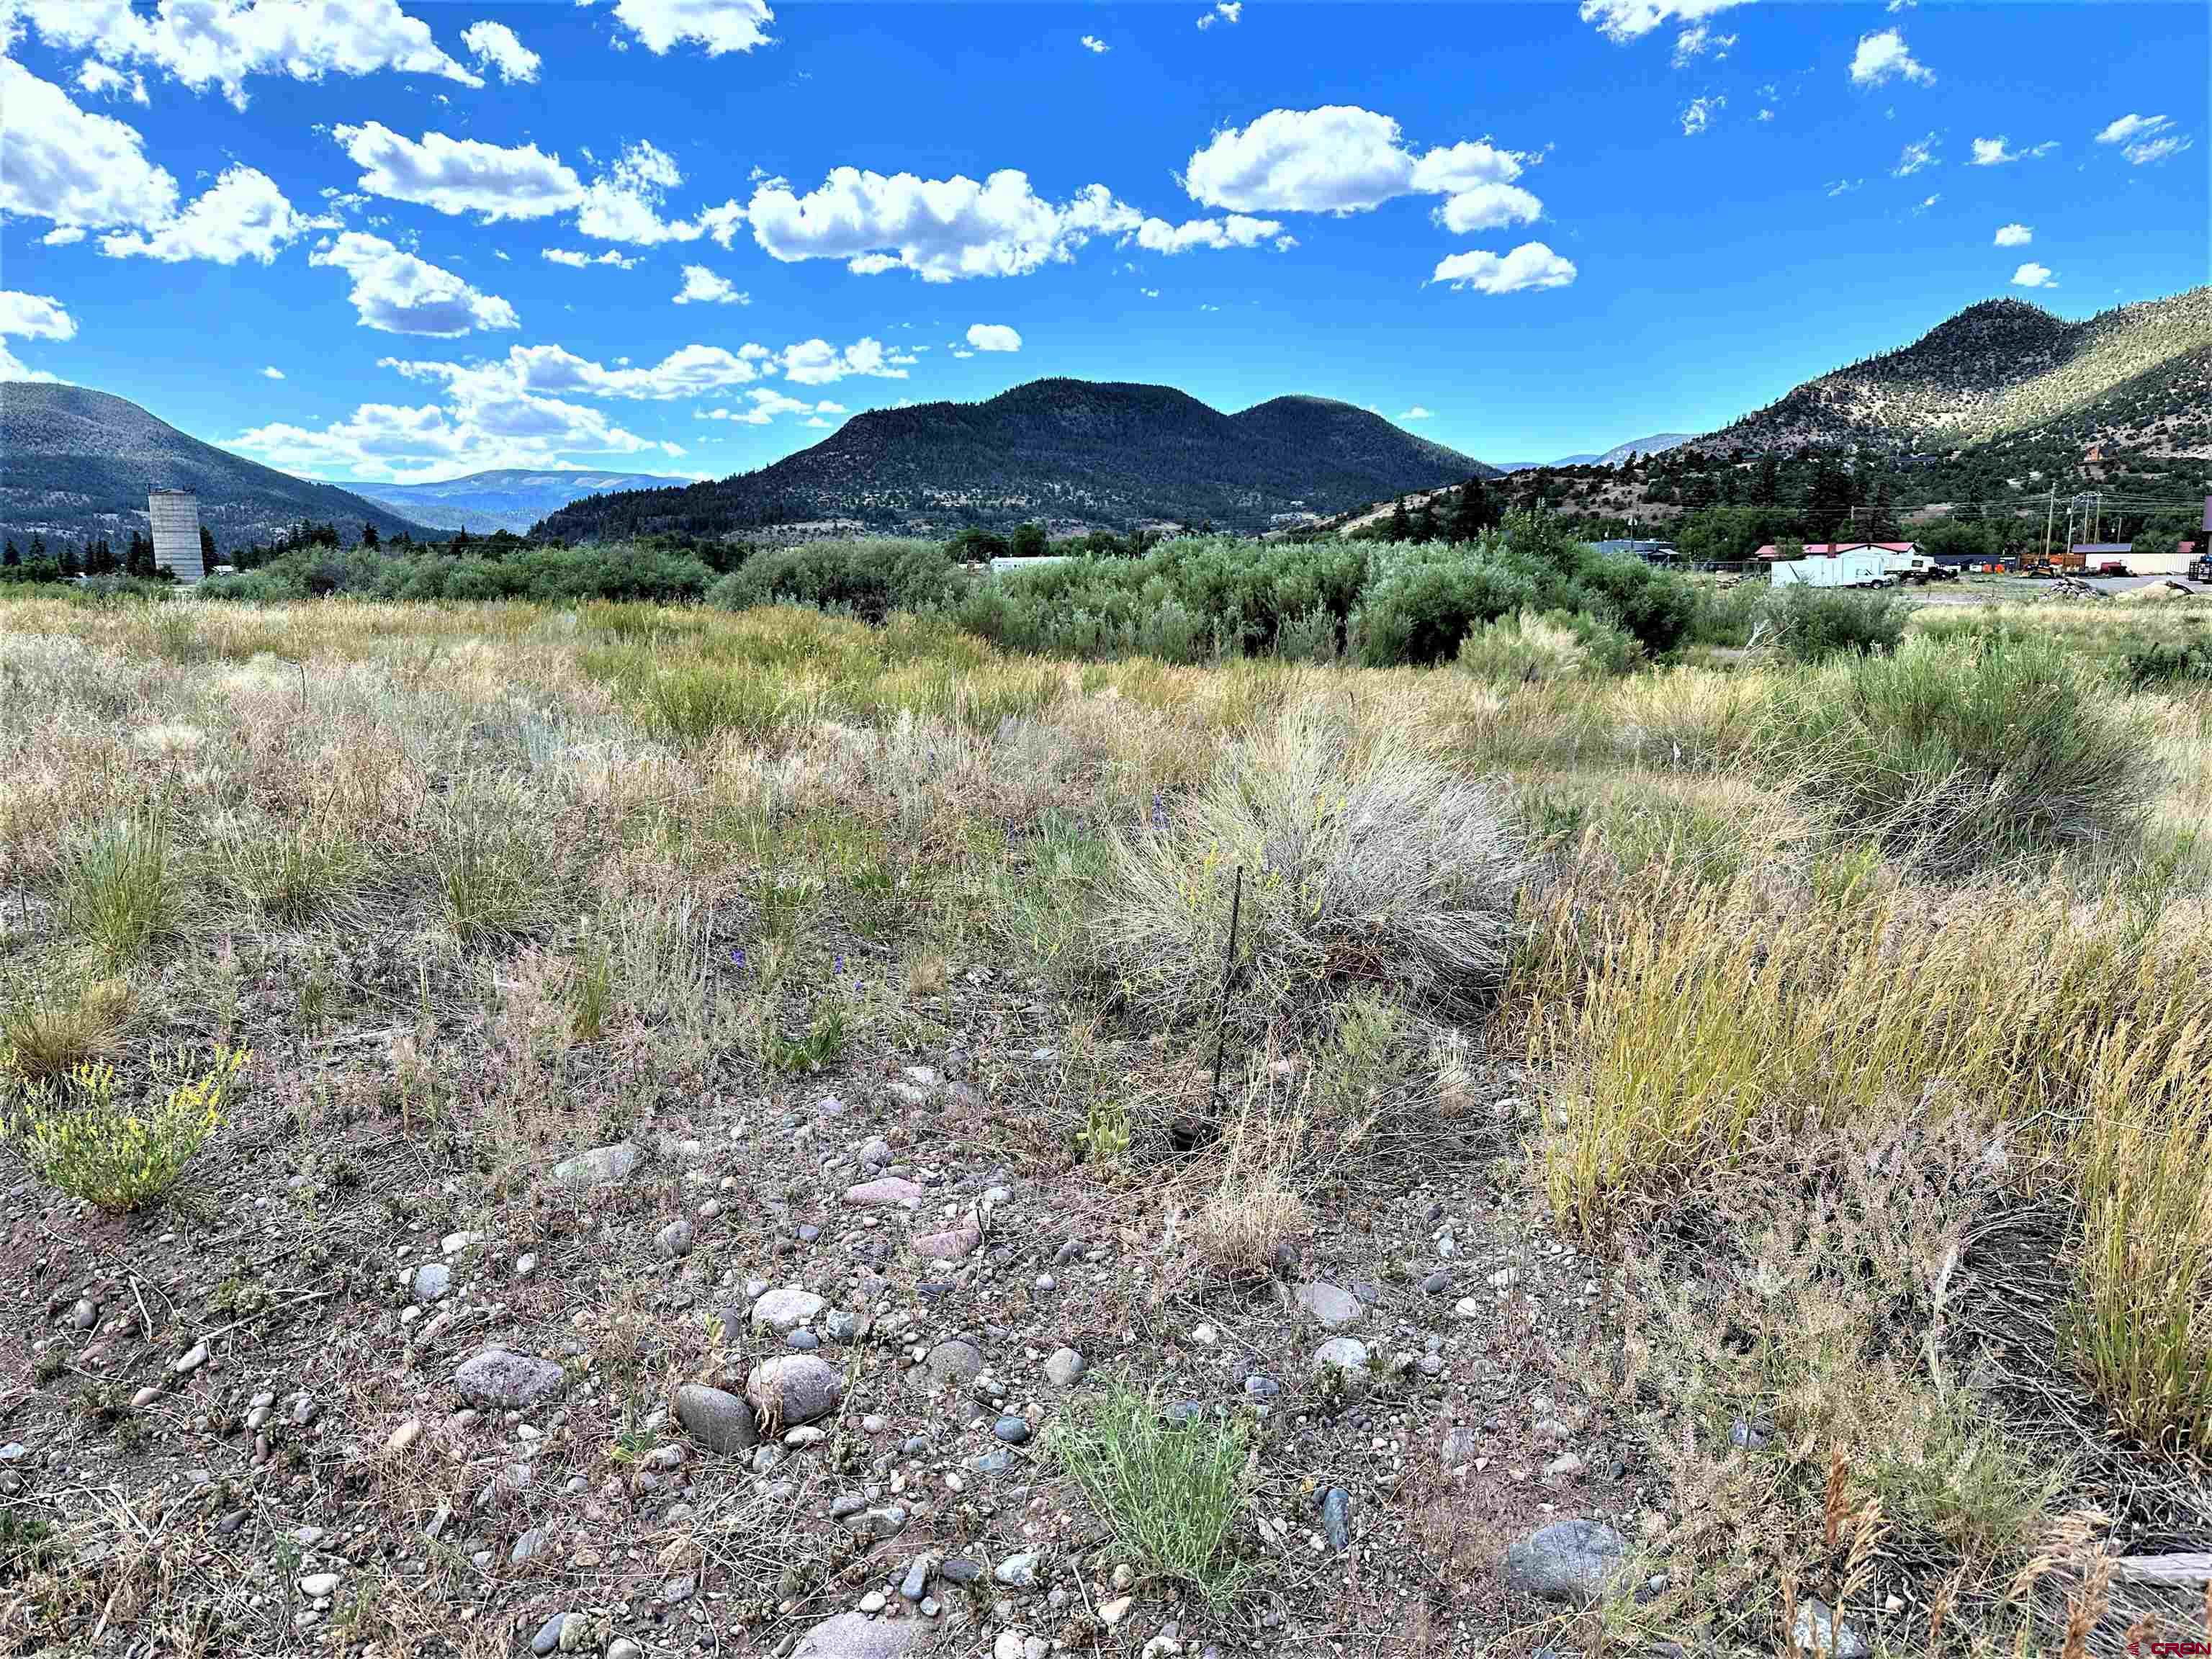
(91, 1145)
(117, 892)
(27, 1544)
(823, 1042)
(1170, 1491)
(1103, 1139)
(592, 989)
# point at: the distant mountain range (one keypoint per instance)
(510, 498)
(2006, 374)
(1612, 457)
(77, 465)
(1070, 454)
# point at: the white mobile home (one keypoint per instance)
(1858, 566)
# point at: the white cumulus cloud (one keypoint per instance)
(224, 43)
(1093, 43)
(243, 215)
(2032, 275)
(994, 337)
(106, 80)
(816, 363)
(1698, 39)
(1699, 113)
(397, 292)
(495, 46)
(1343, 159)
(272, 373)
(1489, 207)
(1623, 21)
(30, 317)
(2014, 236)
(1996, 152)
(1224, 11)
(1883, 56)
(1416, 413)
(716, 26)
(577, 260)
(1531, 265)
(702, 286)
(79, 170)
(1237, 230)
(460, 175)
(942, 229)
(623, 203)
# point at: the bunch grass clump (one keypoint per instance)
(1365, 860)
(2139, 1326)
(492, 869)
(119, 893)
(1169, 1491)
(293, 875)
(87, 1139)
(2005, 749)
(43, 1036)
(1692, 1034)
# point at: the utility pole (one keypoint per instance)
(2050, 507)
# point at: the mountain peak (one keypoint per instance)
(81, 464)
(1075, 454)
(2000, 366)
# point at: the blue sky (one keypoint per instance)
(1523, 229)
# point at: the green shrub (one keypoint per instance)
(869, 578)
(94, 1147)
(1171, 1492)
(1205, 597)
(1526, 650)
(1426, 597)
(1726, 616)
(1365, 860)
(1811, 624)
(2159, 664)
(1961, 754)
(497, 570)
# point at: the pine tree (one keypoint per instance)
(9, 557)
(1470, 512)
(1401, 525)
(207, 549)
(368, 536)
(1424, 522)
(70, 567)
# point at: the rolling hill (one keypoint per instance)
(2008, 375)
(1072, 454)
(78, 465)
(511, 498)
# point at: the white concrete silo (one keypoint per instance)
(176, 518)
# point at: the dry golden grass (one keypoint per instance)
(557, 825)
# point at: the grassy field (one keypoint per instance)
(1765, 1108)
